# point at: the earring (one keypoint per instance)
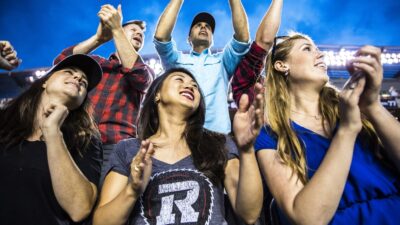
(286, 73)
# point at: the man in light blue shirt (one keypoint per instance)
(212, 71)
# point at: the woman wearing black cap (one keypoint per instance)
(49, 150)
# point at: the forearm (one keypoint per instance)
(269, 25)
(167, 20)
(73, 191)
(388, 131)
(118, 210)
(317, 202)
(239, 20)
(126, 51)
(249, 198)
(88, 45)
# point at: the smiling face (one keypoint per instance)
(135, 35)
(201, 34)
(67, 86)
(179, 90)
(305, 63)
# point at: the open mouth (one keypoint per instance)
(187, 94)
(138, 39)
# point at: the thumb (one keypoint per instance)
(359, 88)
(243, 103)
(119, 9)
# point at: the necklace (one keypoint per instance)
(316, 117)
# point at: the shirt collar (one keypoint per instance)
(205, 52)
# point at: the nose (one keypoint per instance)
(78, 76)
(189, 85)
(320, 54)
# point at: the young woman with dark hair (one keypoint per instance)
(176, 171)
(50, 155)
(328, 157)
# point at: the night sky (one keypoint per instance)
(41, 29)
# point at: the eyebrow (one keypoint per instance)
(307, 44)
(183, 76)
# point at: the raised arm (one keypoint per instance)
(112, 20)
(103, 35)
(316, 201)
(246, 199)
(269, 25)
(167, 21)
(239, 20)
(368, 60)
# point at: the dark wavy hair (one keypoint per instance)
(17, 120)
(207, 147)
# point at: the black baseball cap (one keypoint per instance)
(204, 17)
(85, 63)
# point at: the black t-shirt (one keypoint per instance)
(26, 192)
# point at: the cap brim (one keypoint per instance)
(85, 63)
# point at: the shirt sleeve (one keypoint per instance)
(266, 139)
(230, 144)
(122, 155)
(90, 161)
(232, 54)
(140, 75)
(248, 72)
(69, 51)
(167, 52)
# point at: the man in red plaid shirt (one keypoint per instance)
(248, 72)
(117, 98)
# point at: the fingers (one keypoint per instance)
(372, 51)
(359, 88)
(143, 156)
(352, 90)
(110, 16)
(259, 105)
(244, 103)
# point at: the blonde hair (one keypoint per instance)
(277, 109)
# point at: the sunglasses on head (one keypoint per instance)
(277, 40)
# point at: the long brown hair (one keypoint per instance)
(277, 109)
(207, 147)
(17, 120)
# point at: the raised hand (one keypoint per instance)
(110, 17)
(52, 119)
(103, 33)
(249, 118)
(8, 56)
(349, 97)
(368, 63)
(141, 167)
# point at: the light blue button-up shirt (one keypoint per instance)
(213, 73)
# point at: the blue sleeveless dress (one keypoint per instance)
(371, 195)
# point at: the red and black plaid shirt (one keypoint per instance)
(116, 99)
(248, 72)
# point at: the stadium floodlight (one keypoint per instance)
(39, 73)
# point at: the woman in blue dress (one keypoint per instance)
(328, 157)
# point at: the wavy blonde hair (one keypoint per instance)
(277, 110)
